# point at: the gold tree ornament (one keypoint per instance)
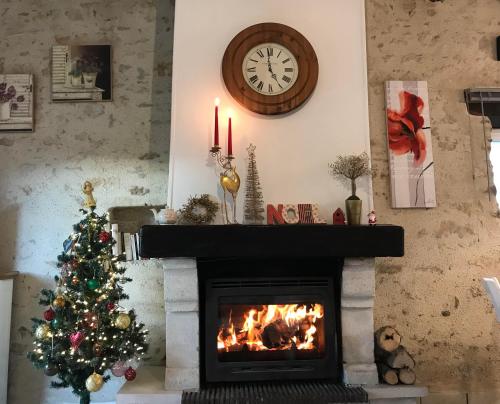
(254, 202)
(42, 332)
(94, 382)
(122, 321)
(89, 198)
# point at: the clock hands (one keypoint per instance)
(273, 75)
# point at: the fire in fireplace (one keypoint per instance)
(282, 323)
(269, 328)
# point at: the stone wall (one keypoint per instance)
(434, 295)
(121, 146)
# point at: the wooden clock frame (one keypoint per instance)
(286, 36)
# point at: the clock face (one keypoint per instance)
(270, 69)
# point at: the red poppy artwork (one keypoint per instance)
(410, 145)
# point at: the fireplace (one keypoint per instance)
(270, 319)
(216, 276)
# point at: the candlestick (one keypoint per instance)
(229, 138)
(216, 130)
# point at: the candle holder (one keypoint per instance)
(229, 181)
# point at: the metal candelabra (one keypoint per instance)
(229, 180)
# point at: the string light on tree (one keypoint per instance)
(81, 336)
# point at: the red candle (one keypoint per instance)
(229, 138)
(216, 131)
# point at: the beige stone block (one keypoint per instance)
(358, 278)
(484, 397)
(182, 379)
(357, 335)
(362, 373)
(449, 397)
(181, 282)
(182, 340)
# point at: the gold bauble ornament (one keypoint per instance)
(59, 302)
(97, 349)
(94, 382)
(75, 281)
(122, 321)
(42, 331)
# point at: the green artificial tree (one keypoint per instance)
(85, 333)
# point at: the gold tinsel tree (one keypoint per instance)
(254, 202)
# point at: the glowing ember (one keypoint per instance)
(275, 327)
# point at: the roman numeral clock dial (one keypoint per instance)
(270, 69)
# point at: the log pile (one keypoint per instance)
(394, 363)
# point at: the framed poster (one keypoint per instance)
(411, 163)
(81, 73)
(16, 103)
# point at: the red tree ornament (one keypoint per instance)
(49, 314)
(110, 306)
(130, 374)
(104, 237)
(76, 339)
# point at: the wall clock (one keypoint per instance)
(270, 68)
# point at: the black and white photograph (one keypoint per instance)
(16, 103)
(81, 73)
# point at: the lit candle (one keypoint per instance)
(216, 131)
(229, 137)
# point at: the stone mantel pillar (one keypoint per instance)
(358, 292)
(182, 337)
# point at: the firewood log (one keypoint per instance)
(386, 374)
(400, 358)
(275, 334)
(407, 376)
(387, 339)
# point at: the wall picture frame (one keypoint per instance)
(409, 141)
(16, 103)
(81, 73)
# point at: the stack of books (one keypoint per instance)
(126, 243)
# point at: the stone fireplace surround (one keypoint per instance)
(178, 246)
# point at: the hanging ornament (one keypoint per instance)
(130, 374)
(75, 281)
(49, 314)
(97, 349)
(110, 306)
(101, 298)
(104, 236)
(42, 331)
(56, 323)
(74, 263)
(94, 382)
(106, 265)
(122, 321)
(50, 369)
(76, 339)
(59, 302)
(118, 369)
(92, 284)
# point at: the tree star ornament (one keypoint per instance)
(89, 198)
(94, 382)
(122, 321)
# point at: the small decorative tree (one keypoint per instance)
(84, 332)
(254, 203)
(351, 168)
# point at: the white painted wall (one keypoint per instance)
(293, 151)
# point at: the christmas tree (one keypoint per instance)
(254, 203)
(85, 332)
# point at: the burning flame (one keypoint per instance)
(275, 327)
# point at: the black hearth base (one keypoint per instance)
(277, 393)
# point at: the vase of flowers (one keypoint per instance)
(91, 67)
(351, 168)
(8, 101)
